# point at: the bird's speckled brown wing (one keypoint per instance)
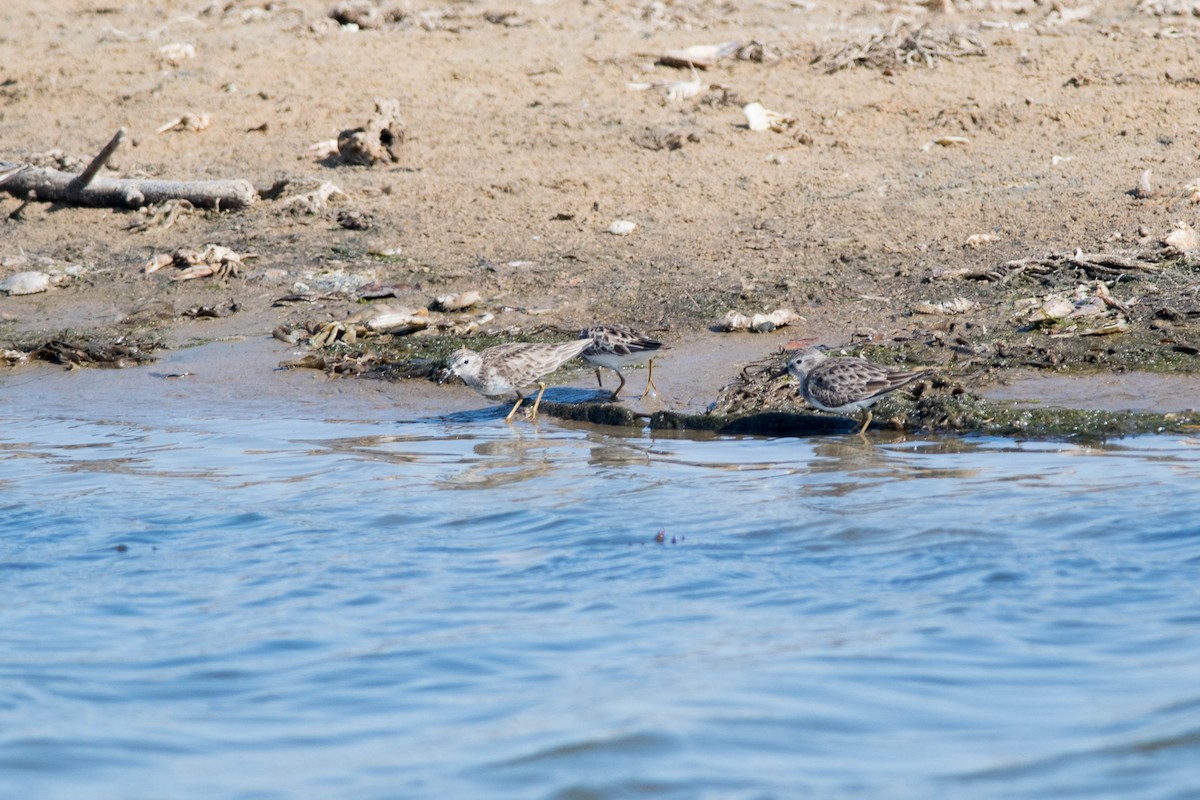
(839, 382)
(618, 340)
(519, 365)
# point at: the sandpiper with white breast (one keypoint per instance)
(506, 369)
(618, 346)
(846, 384)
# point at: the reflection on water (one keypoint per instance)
(462, 608)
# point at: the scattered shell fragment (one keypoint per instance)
(1191, 192)
(978, 240)
(1144, 189)
(13, 357)
(759, 118)
(323, 149)
(25, 283)
(682, 90)
(758, 323)
(314, 202)
(1183, 238)
(1061, 15)
(621, 227)
(188, 122)
(176, 53)
(699, 55)
(959, 305)
(456, 302)
(948, 141)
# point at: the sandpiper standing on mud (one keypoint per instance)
(846, 384)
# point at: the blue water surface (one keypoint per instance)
(296, 608)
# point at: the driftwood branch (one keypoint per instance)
(89, 189)
(80, 183)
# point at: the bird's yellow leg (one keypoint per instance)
(520, 399)
(866, 418)
(649, 379)
(620, 375)
(538, 401)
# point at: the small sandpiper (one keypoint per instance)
(508, 368)
(846, 384)
(618, 346)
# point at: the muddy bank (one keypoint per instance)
(976, 186)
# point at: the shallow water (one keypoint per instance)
(206, 606)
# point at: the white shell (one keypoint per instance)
(457, 302)
(621, 227)
(25, 283)
(760, 119)
(759, 323)
(1183, 238)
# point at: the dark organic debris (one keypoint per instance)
(211, 311)
(116, 355)
(354, 220)
(1097, 266)
(654, 139)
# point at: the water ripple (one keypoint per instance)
(460, 608)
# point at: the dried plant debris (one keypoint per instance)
(903, 46)
(368, 14)
(1170, 8)
(1104, 266)
(161, 216)
(376, 141)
